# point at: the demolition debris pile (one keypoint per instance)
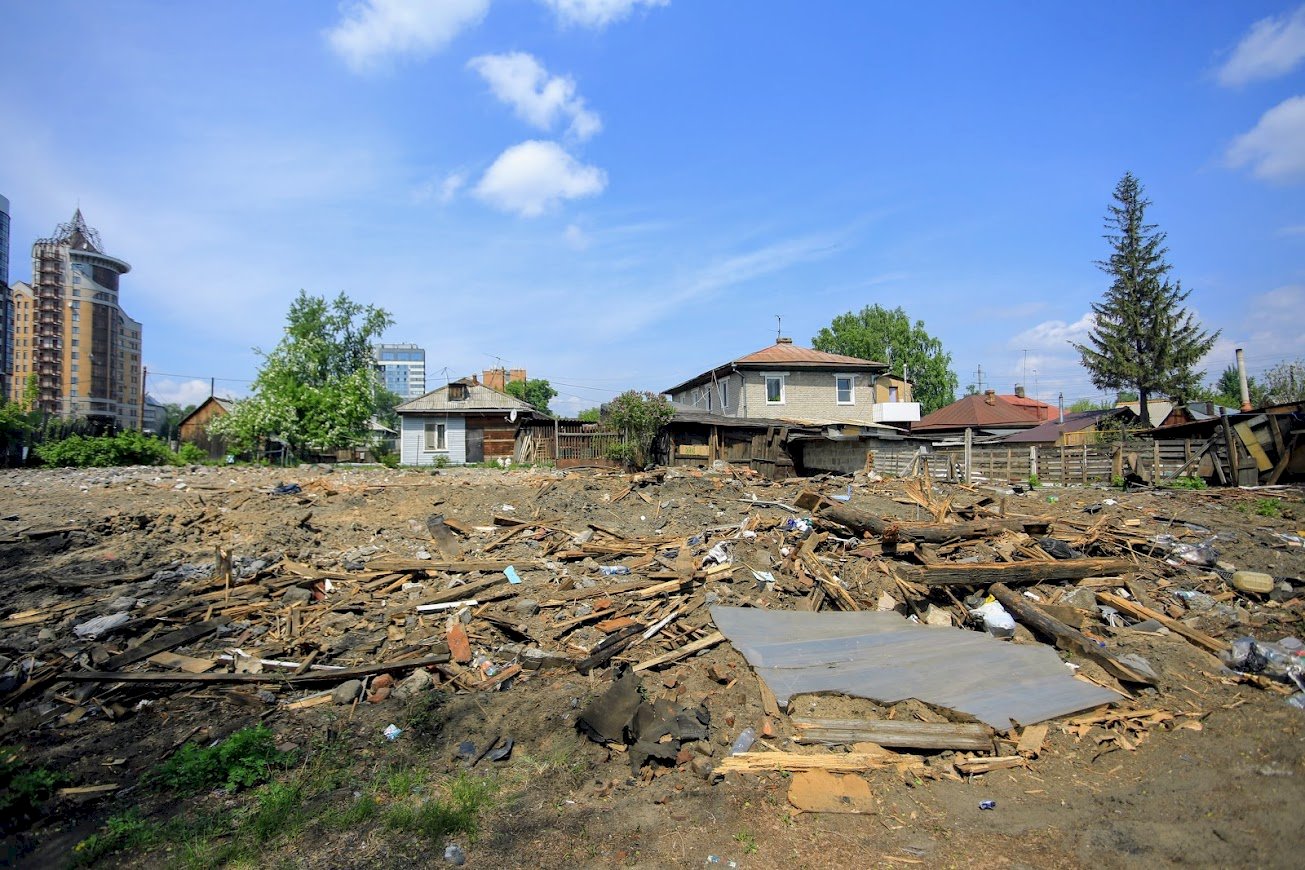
(713, 623)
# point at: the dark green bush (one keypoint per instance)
(244, 759)
(125, 448)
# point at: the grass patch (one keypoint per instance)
(1268, 507)
(23, 789)
(245, 759)
(1187, 481)
(121, 832)
(436, 818)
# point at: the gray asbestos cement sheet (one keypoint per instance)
(886, 658)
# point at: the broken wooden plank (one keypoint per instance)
(860, 522)
(1132, 608)
(905, 734)
(675, 655)
(1064, 637)
(745, 762)
(458, 567)
(1031, 740)
(169, 641)
(970, 766)
(336, 676)
(984, 573)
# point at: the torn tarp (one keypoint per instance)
(885, 658)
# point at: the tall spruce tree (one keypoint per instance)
(1143, 336)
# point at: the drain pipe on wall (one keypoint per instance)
(1241, 380)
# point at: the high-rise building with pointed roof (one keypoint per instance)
(71, 333)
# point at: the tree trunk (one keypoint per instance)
(1142, 395)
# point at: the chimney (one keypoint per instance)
(494, 379)
(990, 397)
(1241, 380)
(474, 382)
(1019, 391)
(515, 375)
(783, 339)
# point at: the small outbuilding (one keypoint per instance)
(462, 422)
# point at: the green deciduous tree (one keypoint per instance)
(318, 387)
(1143, 337)
(536, 393)
(637, 416)
(877, 333)
(1285, 382)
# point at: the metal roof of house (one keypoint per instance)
(976, 412)
(1051, 430)
(784, 354)
(480, 398)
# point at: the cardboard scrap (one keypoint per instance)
(819, 791)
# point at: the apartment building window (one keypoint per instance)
(774, 389)
(436, 436)
(843, 388)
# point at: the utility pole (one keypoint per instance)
(140, 419)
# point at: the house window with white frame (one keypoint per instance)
(724, 387)
(844, 389)
(436, 434)
(774, 389)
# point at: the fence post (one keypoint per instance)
(969, 454)
(1033, 460)
(1064, 467)
(1155, 462)
(1083, 474)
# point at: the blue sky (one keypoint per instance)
(624, 193)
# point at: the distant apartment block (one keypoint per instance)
(402, 368)
(6, 304)
(71, 332)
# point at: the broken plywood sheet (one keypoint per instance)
(883, 657)
(819, 791)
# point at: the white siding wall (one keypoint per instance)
(412, 439)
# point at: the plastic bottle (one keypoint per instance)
(744, 741)
(613, 570)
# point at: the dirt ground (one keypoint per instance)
(1210, 772)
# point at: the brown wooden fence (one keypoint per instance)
(1083, 464)
(565, 442)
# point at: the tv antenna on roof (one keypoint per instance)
(779, 326)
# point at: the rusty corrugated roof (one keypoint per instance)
(978, 412)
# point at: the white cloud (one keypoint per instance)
(452, 183)
(441, 189)
(1054, 334)
(596, 13)
(1272, 47)
(1275, 147)
(1297, 230)
(521, 81)
(170, 391)
(1271, 327)
(531, 177)
(577, 238)
(372, 32)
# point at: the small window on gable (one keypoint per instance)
(892, 394)
(775, 389)
(843, 389)
(457, 392)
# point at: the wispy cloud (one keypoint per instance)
(1275, 147)
(374, 33)
(597, 13)
(538, 98)
(442, 189)
(532, 177)
(1053, 334)
(1297, 230)
(577, 238)
(184, 392)
(1272, 47)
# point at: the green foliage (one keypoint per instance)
(1268, 507)
(317, 388)
(440, 461)
(22, 789)
(590, 415)
(536, 393)
(877, 333)
(191, 454)
(126, 831)
(747, 841)
(1185, 482)
(1143, 337)
(1285, 382)
(436, 818)
(388, 458)
(1118, 482)
(1088, 405)
(278, 810)
(637, 416)
(1033, 481)
(126, 448)
(246, 758)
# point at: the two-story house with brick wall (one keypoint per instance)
(793, 384)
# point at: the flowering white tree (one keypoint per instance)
(318, 387)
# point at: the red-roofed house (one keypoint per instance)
(796, 384)
(986, 413)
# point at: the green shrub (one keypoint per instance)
(119, 834)
(191, 454)
(1033, 481)
(244, 759)
(125, 448)
(387, 458)
(22, 790)
(1186, 482)
(1268, 507)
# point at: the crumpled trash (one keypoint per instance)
(1203, 554)
(1195, 600)
(996, 620)
(287, 489)
(392, 732)
(718, 555)
(795, 524)
(1058, 549)
(765, 580)
(93, 628)
(1277, 661)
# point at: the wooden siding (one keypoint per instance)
(195, 429)
(412, 439)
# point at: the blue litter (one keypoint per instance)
(847, 497)
(987, 805)
(512, 575)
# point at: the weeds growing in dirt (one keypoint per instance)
(747, 841)
(1186, 482)
(1268, 507)
(22, 790)
(436, 818)
(245, 759)
(125, 831)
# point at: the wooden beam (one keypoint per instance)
(676, 654)
(169, 641)
(847, 761)
(984, 573)
(860, 522)
(1132, 608)
(333, 676)
(885, 732)
(1064, 637)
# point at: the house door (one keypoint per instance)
(475, 444)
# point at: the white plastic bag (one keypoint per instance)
(996, 620)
